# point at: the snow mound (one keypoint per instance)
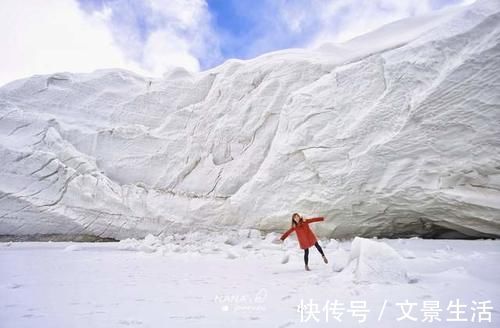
(376, 262)
(339, 259)
(285, 258)
(232, 245)
(231, 254)
(149, 244)
(72, 248)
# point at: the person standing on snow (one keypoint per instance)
(305, 236)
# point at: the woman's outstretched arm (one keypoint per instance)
(320, 218)
(287, 233)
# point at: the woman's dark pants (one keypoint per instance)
(306, 252)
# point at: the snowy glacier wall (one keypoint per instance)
(395, 133)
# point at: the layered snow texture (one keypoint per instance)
(395, 133)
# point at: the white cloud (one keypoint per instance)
(39, 37)
(341, 20)
(47, 36)
(354, 18)
(181, 34)
(164, 49)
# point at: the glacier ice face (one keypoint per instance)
(394, 133)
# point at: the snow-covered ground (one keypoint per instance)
(204, 281)
(393, 134)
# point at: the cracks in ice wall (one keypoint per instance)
(101, 223)
(216, 181)
(19, 127)
(266, 152)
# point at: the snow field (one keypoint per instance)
(202, 280)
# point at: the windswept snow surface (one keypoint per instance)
(190, 281)
(395, 133)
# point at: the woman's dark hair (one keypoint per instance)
(294, 223)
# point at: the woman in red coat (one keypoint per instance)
(305, 236)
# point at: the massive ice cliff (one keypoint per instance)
(394, 133)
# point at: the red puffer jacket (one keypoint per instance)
(304, 234)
